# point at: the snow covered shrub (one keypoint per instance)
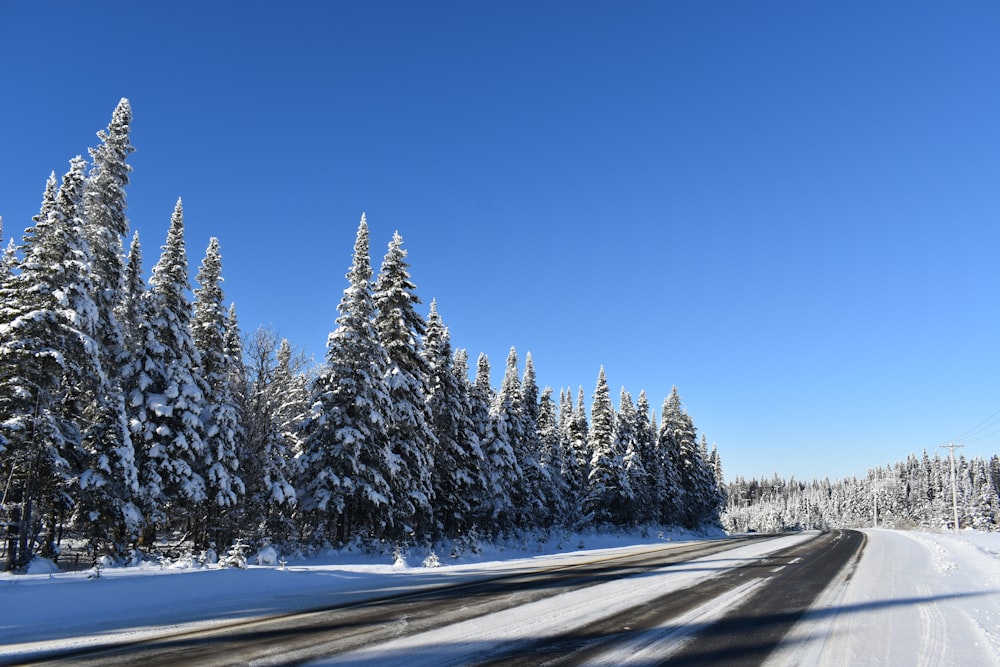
(432, 560)
(237, 555)
(267, 556)
(186, 562)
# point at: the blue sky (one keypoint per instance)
(789, 210)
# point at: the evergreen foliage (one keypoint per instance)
(221, 420)
(347, 460)
(136, 417)
(607, 487)
(552, 459)
(49, 369)
(275, 397)
(411, 438)
(915, 492)
(168, 400)
(532, 498)
(457, 471)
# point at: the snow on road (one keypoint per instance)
(43, 612)
(913, 598)
(465, 642)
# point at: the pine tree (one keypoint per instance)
(552, 458)
(705, 497)
(607, 487)
(650, 491)
(105, 226)
(535, 504)
(627, 445)
(578, 461)
(130, 312)
(411, 438)
(222, 435)
(676, 441)
(168, 396)
(456, 476)
(48, 367)
(498, 455)
(570, 471)
(505, 445)
(715, 463)
(8, 258)
(347, 462)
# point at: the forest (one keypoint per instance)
(137, 420)
(919, 492)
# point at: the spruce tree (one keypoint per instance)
(506, 445)
(627, 445)
(8, 257)
(48, 369)
(647, 475)
(570, 471)
(456, 475)
(705, 497)
(476, 407)
(676, 440)
(607, 488)
(552, 458)
(168, 396)
(411, 438)
(534, 506)
(578, 461)
(347, 462)
(222, 423)
(715, 463)
(105, 226)
(498, 455)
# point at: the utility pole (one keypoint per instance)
(875, 498)
(954, 494)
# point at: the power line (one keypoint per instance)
(983, 436)
(989, 422)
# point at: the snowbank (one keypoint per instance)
(77, 608)
(913, 598)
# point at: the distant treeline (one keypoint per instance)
(916, 492)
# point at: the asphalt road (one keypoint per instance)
(784, 584)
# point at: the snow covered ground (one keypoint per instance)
(913, 598)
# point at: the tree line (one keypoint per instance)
(134, 413)
(916, 492)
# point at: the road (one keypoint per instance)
(718, 602)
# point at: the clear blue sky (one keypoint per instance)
(790, 210)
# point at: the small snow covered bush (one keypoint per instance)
(236, 556)
(432, 560)
(267, 556)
